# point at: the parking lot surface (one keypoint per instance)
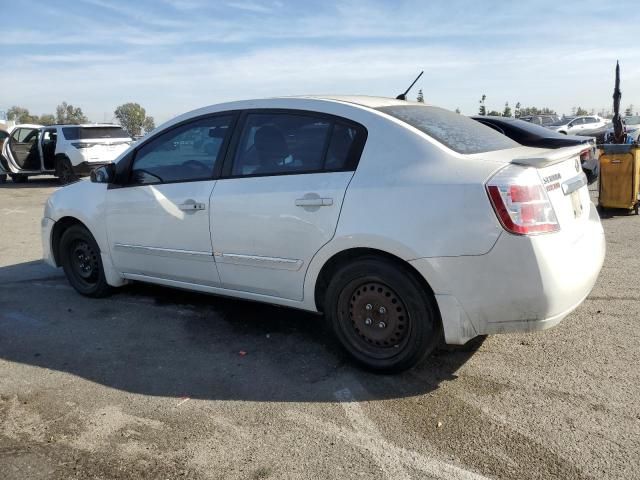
(159, 383)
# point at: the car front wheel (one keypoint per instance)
(382, 315)
(81, 261)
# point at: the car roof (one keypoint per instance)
(362, 100)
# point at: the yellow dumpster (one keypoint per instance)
(619, 176)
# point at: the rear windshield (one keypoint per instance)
(459, 133)
(85, 133)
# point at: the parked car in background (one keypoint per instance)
(4, 134)
(632, 124)
(531, 135)
(401, 222)
(572, 126)
(66, 151)
(540, 119)
(603, 134)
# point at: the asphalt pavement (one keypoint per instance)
(158, 383)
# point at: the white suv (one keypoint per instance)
(573, 126)
(66, 151)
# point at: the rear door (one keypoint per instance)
(280, 196)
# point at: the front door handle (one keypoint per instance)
(192, 206)
(314, 202)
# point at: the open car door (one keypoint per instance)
(22, 151)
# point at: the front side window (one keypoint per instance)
(25, 135)
(185, 153)
(282, 143)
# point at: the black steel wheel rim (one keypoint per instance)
(374, 318)
(84, 262)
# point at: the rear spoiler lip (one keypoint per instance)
(551, 158)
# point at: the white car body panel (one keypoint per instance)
(265, 230)
(575, 126)
(410, 197)
(153, 232)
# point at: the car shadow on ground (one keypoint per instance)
(158, 341)
(33, 182)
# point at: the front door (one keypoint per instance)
(24, 150)
(280, 199)
(158, 223)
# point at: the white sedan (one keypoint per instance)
(403, 223)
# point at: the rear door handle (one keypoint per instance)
(192, 206)
(314, 202)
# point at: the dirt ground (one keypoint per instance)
(150, 383)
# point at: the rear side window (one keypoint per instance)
(283, 143)
(92, 133)
(457, 132)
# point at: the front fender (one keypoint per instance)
(84, 201)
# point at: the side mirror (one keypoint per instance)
(104, 174)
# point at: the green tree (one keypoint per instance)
(629, 111)
(507, 110)
(581, 111)
(20, 115)
(148, 124)
(47, 119)
(483, 109)
(67, 114)
(420, 97)
(134, 119)
(494, 113)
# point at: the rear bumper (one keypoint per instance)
(523, 284)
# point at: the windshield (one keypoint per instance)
(85, 133)
(459, 133)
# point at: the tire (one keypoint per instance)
(382, 315)
(82, 264)
(19, 178)
(3, 179)
(64, 171)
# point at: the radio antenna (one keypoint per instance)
(403, 96)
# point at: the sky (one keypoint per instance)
(172, 56)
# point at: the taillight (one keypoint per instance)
(82, 145)
(585, 155)
(521, 201)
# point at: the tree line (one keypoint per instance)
(131, 116)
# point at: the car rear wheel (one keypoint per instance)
(81, 261)
(382, 315)
(3, 179)
(65, 172)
